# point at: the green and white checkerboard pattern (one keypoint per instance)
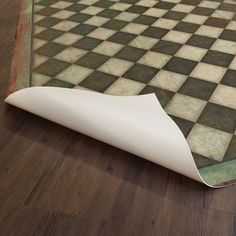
(182, 50)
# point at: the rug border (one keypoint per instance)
(20, 75)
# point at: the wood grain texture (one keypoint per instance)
(54, 181)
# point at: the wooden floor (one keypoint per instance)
(54, 181)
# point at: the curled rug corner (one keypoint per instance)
(124, 122)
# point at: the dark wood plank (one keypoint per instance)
(54, 181)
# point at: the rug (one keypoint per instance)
(183, 51)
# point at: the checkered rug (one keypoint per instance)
(181, 50)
